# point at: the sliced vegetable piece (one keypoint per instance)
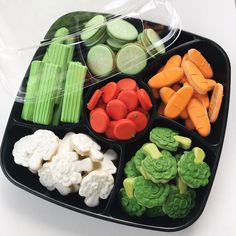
(200, 61)
(99, 120)
(94, 99)
(110, 130)
(116, 109)
(139, 119)
(32, 90)
(198, 114)
(46, 94)
(166, 78)
(72, 101)
(125, 129)
(130, 98)
(127, 83)
(174, 61)
(178, 102)
(110, 91)
(144, 99)
(215, 103)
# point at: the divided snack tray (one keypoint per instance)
(110, 208)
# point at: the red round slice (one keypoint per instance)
(101, 104)
(127, 83)
(139, 119)
(110, 130)
(94, 99)
(145, 112)
(130, 98)
(144, 99)
(125, 129)
(99, 120)
(110, 91)
(116, 109)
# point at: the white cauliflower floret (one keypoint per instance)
(82, 144)
(97, 184)
(111, 155)
(66, 168)
(65, 143)
(30, 151)
(106, 164)
(46, 179)
(95, 155)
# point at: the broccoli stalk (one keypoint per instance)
(159, 167)
(150, 149)
(199, 155)
(184, 142)
(128, 184)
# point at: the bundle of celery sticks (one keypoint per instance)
(55, 85)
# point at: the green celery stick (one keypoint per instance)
(70, 43)
(46, 94)
(31, 90)
(71, 107)
(58, 55)
(60, 33)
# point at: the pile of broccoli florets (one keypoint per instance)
(162, 182)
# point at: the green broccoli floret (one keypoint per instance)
(155, 211)
(149, 194)
(130, 169)
(192, 169)
(180, 201)
(138, 157)
(130, 205)
(158, 167)
(168, 139)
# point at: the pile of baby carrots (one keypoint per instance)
(187, 90)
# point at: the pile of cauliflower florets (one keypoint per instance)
(73, 164)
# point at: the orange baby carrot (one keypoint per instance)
(178, 102)
(198, 114)
(161, 108)
(195, 77)
(166, 78)
(202, 98)
(189, 124)
(174, 61)
(200, 61)
(166, 93)
(155, 93)
(215, 103)
(211, 84)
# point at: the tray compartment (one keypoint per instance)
(165, 223)
(23, 178)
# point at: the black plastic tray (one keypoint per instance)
(110, 209)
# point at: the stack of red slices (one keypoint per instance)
(120, 110)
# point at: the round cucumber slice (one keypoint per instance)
(153, 37)
(92, 27)
(100, 60)
(122, 30)
(131, 59)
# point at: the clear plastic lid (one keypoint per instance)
(106, 32)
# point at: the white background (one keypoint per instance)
(23, 214)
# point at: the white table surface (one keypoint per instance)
(24, 214)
